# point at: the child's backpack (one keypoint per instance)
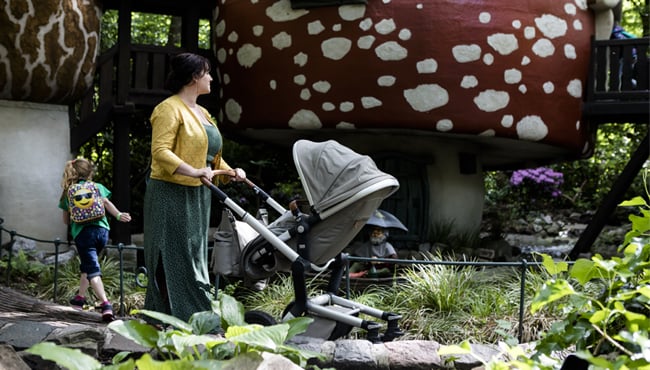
(85, 202)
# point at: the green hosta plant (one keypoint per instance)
(189, 345)
(606, 305)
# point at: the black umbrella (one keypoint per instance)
(386, 220)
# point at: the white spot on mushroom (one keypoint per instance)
(365, 42)
(233, 36)
(221, 55)
(226, 79)
(345, 125)
(352, 12)
(577, 25)
(385, 26)
(503, 43)
(529, 33)
(488, 59)
(321, 86)
(582, 4)
(512, 76)
(233, 111)
(548, 87)
(426, 97)
(305, 120)
(570, 9)
(248, 54)
(491, 100)
(444, 125)
(484, 17)
(386, 81)
(299, 79)
(346, 106)
(516, 24)
(532, 128)
(336, 48)
(369, 102)
(466, 53)
(525, 61)
(281, 11)
(427, 66)
(391, 50)
(281, 40)
(543, 48)
(570, 51)
(336, 27)
(315, 27)
(551, 26)
(220, 29)
(522, 88)
(507, 120)
(405, 34)
(300, 59)
(575, 88)
(273, 84)
(305, 94)
(258, 30)
(469, 82)
(365, 24)
(328, 107)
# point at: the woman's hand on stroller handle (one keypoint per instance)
(237, 174)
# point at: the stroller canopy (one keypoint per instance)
(334, 176)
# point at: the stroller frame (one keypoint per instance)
(320, 305)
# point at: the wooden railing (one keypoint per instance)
(140, 87)
(618, 85)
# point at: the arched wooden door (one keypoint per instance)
(411, 201)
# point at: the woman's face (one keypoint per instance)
(203, 83)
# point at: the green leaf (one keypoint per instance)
(267, 337)
(72, 359)
(138, 331)
(230, 310)
(583, 270)
(298, 325)
(204, 322)
(634, 202)
(552, 267)
(551, 292)
(640, 224)
(167, 319)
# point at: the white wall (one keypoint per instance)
(34, 145)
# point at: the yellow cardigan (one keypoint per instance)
(178, 136)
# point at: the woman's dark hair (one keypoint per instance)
(184, 68)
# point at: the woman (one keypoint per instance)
(185, 146)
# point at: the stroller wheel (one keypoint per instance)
(259, 317)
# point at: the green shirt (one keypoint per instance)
(76, 228)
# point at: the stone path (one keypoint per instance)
(25, 321)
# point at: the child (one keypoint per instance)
(91, 235)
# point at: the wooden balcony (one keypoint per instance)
(617, 88)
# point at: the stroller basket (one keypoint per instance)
(343, 188)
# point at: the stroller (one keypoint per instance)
(343, 189)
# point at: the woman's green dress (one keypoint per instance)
(176, 222)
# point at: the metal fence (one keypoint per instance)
(522, 265)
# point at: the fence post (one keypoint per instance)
(120, 249)
(57, 242)
(522, 291)
(12, 239)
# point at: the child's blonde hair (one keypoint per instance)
(76, 170)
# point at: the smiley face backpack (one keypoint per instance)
(85, 202)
